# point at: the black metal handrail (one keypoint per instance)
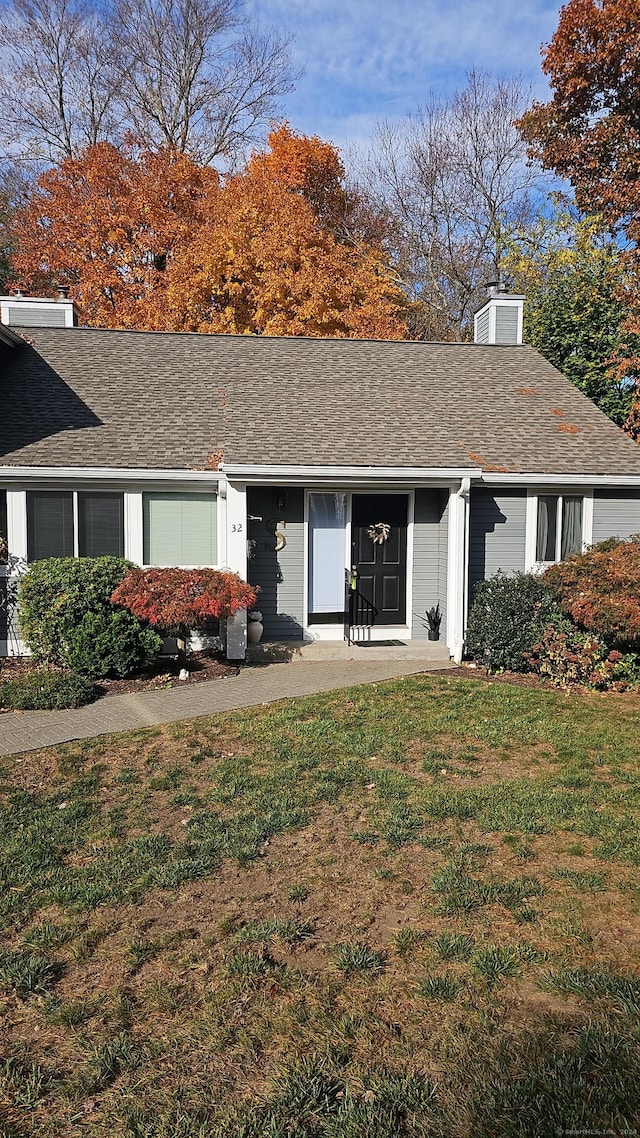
(359, 611)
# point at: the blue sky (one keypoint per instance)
(367, 60)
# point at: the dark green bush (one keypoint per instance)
(43, 690)
(111, 643)
(508, 616)
(66, 617)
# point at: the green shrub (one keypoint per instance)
(66, 617)
(46, 691)
(111, 643)
(507, 617)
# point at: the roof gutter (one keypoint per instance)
(340, 475)
(539, 479)
(102, 474)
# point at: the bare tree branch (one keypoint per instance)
(198, 77)
(57, 78)
(194, 75)
(455, 177)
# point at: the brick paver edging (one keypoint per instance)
(31, 730)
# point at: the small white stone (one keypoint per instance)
(183, 675)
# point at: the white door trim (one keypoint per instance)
(336, 631)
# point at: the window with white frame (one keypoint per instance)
(559, 527)
(74, 523)
(179, 529)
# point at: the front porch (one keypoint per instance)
(397, 539)
(423, 653)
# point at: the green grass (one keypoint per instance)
(440, 988)
(408, 940)
(453, 946)
(25, 972)
(496, 963)
(591, 984)
(358, 957)
(350, 916)
(289, 931)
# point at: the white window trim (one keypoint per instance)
(531, 564)
(75, 492)
(138, 536)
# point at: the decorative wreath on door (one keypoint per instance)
(379, 532)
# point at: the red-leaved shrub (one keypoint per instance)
(569, 658)
(180, 599)
(600, 590)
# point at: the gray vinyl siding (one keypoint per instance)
(506, 324)
(497, 533)
(482, 330)
(280, 575)
(616, 513)
(430, 534)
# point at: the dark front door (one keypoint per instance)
(381, 565)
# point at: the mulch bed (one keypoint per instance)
(518, 679)
(165, 674)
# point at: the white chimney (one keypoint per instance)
(499, 321)
(18, 311)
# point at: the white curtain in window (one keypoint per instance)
(327, 523)
(546, 531)
(571, 541)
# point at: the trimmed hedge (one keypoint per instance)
(508, 616)
(66, 617)
(43, 690)
(111, 643)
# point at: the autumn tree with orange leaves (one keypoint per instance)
(589, 133)
(108, 224)
(152, 240)
(281, 253)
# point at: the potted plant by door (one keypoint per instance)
(432, 622)
(255, 627)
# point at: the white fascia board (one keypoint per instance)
(103, 474)
(341, 475)
(530, 479)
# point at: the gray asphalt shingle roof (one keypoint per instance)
(93, 397)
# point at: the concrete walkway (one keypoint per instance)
(30, 730)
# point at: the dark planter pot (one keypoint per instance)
(433, 636)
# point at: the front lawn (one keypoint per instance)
(402, 909)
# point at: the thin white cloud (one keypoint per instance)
(364, 61)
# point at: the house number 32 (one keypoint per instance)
(237, 528)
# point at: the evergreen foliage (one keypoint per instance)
(507, 617)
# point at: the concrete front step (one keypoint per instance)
(432, 655)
